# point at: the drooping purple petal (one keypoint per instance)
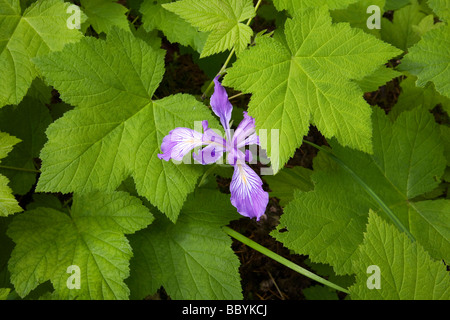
(247, 194)
(179, 142)
(220, 104)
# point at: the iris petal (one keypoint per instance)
(209, 154)
(220, 104)
(179, 142)
(247, 194)
(244, 130)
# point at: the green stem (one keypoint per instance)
(19, 169)
(371, 193)
(280, 259)
(222, 70)
(218, 74)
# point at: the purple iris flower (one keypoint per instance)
(247, 194)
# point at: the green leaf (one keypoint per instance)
(6, 247)
(426, 25)
(40, 91)
(377, 79)
(193, 258)
(116, 129)
(356, 14)
(222, 18)
(396, 4)
(319, 293)
(445, 134)
(8, 204)
(42, 28)
(176, 29)
(28, 122)
(441, 8)
(293, 79)
(400, 32)
(103, 14)
(92, 237)
(407, 270)
(328, 223)
(4, 292)
(294, 6)
(429, 60)
(414, 97)
(286, 181)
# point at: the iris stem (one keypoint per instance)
(371, 193)
(236, 95)
(252, 244)
(222, 70)
(19, 169)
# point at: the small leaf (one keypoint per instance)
(429, 60)
(28, 122)
(176, 29)
(103, 14)
(8, 204)
(400, 32)
(222, 18)
(377, 79)
(441, 8)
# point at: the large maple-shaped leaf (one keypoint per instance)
(222, 18)
(304, 76)
(40, 29)
(92, 237)
(407, 272)
(8, 204)
(429, 60)
(116, 129)
(328, 223)
(191, 259)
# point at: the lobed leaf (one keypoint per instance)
(116, 128)
(429, 60)
(407, 272)
(40, 29)
(293, 79)
(8, 203)
(191, 259)
(328, 223)
(221, 18)
(92, 238)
